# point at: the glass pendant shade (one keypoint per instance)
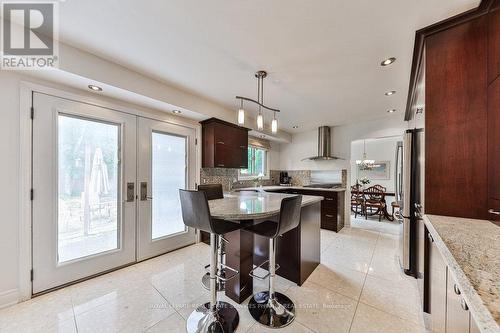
(260, 122)
(241, 117)
(274, 125)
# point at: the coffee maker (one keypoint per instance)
(285, 180)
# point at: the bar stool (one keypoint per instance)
(214, 191)
(271, 308)
(214, 316)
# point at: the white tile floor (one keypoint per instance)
(357, 288)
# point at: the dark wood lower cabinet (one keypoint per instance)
(332, 206)
(449, 311)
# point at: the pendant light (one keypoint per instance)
(241, 115)
(260, 75)
(274, 124)
(365, 164)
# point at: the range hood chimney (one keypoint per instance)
(324, 146)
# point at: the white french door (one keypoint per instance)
(89, 214)
(164, 166)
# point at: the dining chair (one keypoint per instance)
(374, 201)
(357, 200)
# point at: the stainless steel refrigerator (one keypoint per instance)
(409, 188)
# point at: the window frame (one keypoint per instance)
(266, 166)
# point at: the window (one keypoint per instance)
(257, 164)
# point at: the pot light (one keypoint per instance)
(389, 93)
(388, 61)
(177, 111)
(94, 87)
(295, 126)
(391, 110)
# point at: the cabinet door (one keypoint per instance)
(457, 311)
(494, 43)
(437, 288)
(494, 149)
(230, 157)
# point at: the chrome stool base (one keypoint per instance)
(203, 320)
(205, 281)
(273, 313)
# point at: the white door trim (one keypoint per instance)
(25, 163)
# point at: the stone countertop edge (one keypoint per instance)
(306, 201)
(277, 187)
(479, 311)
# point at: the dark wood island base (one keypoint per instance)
(298, 253)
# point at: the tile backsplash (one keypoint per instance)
(229, 178)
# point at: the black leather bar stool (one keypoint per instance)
(214, 191)
(271, 308)
(214, 316)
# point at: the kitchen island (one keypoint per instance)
(298, 251)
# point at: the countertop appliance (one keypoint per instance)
(285, 180)
(409, 191)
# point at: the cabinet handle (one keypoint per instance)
(244, 147)
(494, 212)
(456, 289)
(429, 236)
(220, 165)
(329, 199)
(220, 142)
(464, 305)
(327, 215)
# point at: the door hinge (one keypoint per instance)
(31, 275)
(32, 194)
(32, 114)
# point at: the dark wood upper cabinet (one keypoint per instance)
(456, 81)
(494, 42)
(225, 145)
(494, 149)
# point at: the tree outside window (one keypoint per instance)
(257, 163)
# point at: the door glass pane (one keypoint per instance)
(88, 187)
(169, 175)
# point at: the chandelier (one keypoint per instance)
(365, 164)
(260, 75)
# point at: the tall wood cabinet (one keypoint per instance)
(494, 112)
(462, 116)
(225, 145)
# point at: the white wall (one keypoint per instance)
(381, 149)
(9, 178)
(305, 145)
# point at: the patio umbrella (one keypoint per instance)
(99, 181)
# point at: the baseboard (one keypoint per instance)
(8, 298)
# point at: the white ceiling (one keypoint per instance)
(322, 56)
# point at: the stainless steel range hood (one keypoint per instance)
(324, 146)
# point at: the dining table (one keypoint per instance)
(386, 213)
(298, 250)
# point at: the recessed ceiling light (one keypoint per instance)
(391, 110)
(94, 87)
(389, 93)
(388, 61)
(262, 136)
(295, 126)
(177, 111)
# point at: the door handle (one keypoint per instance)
(494, 212)
(144, 192)
(130, 192)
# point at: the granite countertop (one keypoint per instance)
(252, 205)
(471, 249)
(276, 187)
